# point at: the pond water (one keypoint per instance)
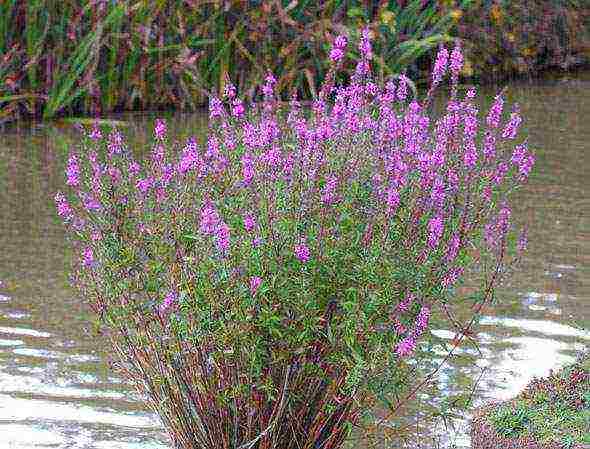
(57, 391)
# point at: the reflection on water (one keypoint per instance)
(55, 386)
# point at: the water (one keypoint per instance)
(57, 391)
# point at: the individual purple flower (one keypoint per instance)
(73, 171)
(402, 88)
(453, 248)
(115, 143)
(340, 42)
(489, 146)
(422, 320)
(256, 242)
(222, 237)
(336, 54)
(115, 175)
(248, 170)
(87, 257)
(511, 127)
(496, 229)
(229, 91)
(456, 61)
(406, 347)
(160, 129)
(302, 252)
(523, 159)
(143, 185)
(189, 158)
(404, 305)
(170, 298)
(158, 154)
(520, 151)
(525, 166)
(96, 235)
(167, 174)
(210, 220)
(63, 208)
(440, 66)
(392, 200)
(437, 194)
(503, 222)
(495, 112)
(435, 231)
(134, 168)
(328, 194)
(249, 222)
(365, 44)
(451, 276)
(90, 203)
(95, 134)
(470, 157)
(255, 282)
(237, 108)
(269, 83)
(500, 173)
(215, 108)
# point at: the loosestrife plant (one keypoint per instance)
(254, 284)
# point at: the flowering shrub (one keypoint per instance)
(255, 284)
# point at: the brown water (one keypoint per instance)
(56, 389)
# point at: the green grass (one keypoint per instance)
(554, 409)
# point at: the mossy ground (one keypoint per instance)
(554, 410)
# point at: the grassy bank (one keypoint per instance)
(551, 413)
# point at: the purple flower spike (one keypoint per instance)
(406, 347)
(435, 230)
(209, 220)
(249, 222)
(513, 124)
(440, 66)
(255, 282)
(63, 208)
(134, 168)
(73, 171)
(456, 61)
(160, 129)
(87, 257)
(222, 237)
(143, 185)
(302, 252)
(170, 299)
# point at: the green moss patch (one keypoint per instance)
(553, 412)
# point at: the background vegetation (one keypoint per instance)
(91, 57)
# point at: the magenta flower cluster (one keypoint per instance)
(366, 183)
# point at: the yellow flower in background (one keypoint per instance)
(456, 14)
(528, 51)
(448, 3)
(387, 17)
(510, 37)
(496, 14)
(467, 69)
